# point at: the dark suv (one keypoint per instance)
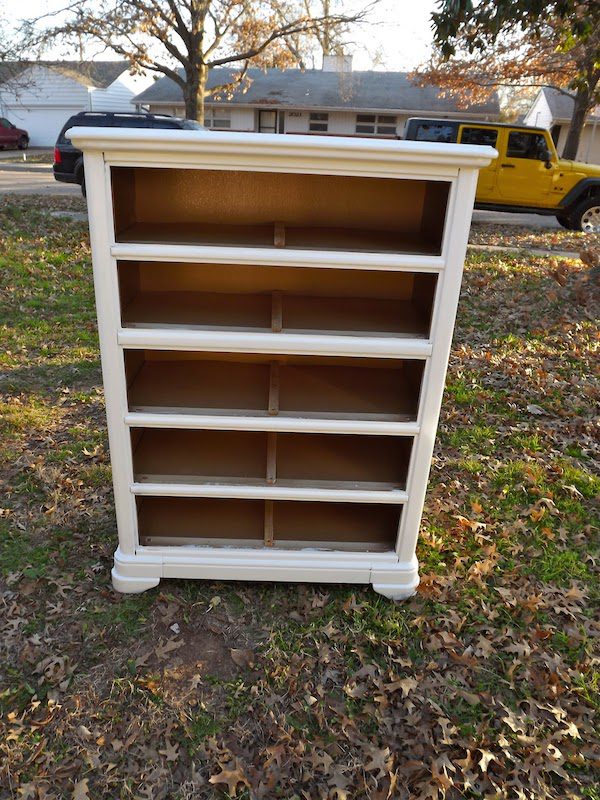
(68, 160)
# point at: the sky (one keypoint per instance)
(397, 38)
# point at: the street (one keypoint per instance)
(32, 180)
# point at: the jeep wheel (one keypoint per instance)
(23, 143)
(586, 216)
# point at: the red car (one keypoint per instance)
(11, 136)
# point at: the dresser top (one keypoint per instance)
(154, 144)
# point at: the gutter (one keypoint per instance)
(331, 109)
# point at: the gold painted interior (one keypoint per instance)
(227, 522)
(311, 300)
(206, 456)
(307, 385)
(270, 208)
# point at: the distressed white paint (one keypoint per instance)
(394, 573)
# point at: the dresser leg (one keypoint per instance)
(131, 585)
(393, 591)
(399, 583)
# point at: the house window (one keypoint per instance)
(318, 122)
(376, 124)
(217, 118)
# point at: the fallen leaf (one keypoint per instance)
(171, 751)
(164, 648)
(243, 657)
(484, 761)
(406, 685)
(80, 790)
(232, 777)
(533, 409)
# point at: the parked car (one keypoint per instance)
(68, 160)
(528, 176)
(11, 136)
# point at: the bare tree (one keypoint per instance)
(184, 39)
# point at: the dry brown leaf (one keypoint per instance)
(80, 790)
(163, 648)
(484, 761)
(243, 657)
(231, 777)
(171, 751)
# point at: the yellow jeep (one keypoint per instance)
(528, 176)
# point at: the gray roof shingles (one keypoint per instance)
(317, 89)
(561, 105)
(99, 74)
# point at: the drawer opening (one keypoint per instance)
(260, 385)
(335, 526)
(242, 458)
(282, 299)
(196, 457)
(175, 521)
(289, 525)
(365, 462)
(279, 210)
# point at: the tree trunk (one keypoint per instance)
(580, 110)
(194, 91)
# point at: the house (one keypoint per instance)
(334, 100)
(40, 96)
(553, 110)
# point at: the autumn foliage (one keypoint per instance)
(518, 44)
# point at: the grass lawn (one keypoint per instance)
(484, 685)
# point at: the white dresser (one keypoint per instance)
(275, 316)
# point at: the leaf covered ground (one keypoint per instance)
(485, 685)
(525, 237)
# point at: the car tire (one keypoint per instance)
(565, 221)
(586, 215)
(23, 143)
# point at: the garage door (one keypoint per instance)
(42, 124)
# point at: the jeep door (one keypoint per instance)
(482, 135)
(523, 177)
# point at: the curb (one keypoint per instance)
(535, 251)
(25, 167)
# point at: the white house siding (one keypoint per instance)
(118, 96)
(43, 104)
(539, 115)
(242, 119)
(589, 145)
(341, 123)
(296, 121)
